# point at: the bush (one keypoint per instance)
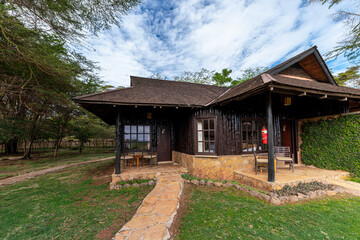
(332, 144)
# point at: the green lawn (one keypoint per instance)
(71, 204)
(355, 179)
(231, 214)
(42, 160)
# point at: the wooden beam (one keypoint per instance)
(302, 94)
(118, 141)
(323, 97)
(270, 132)
(344, 99)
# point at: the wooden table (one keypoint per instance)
(137, 157)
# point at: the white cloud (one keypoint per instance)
(172, 37)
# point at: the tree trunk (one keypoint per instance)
(81, 146)
(35, 127)
(28, 150)
(57, 145)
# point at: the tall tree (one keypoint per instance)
(350, 45)
(223, 78)
(249, 73)
(203, 76)
(350, 77)
(39, 73)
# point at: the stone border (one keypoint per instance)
(272, 198)
(118, 186)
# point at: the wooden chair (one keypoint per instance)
(283, 154)
(261, 161)
(128, 159)
(150, 157)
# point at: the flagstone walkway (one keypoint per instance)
(23, 177)
(154, 217)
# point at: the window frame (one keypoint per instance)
(197, 131)
(137, 137)
(259, 135)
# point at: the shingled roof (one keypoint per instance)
(148, 91)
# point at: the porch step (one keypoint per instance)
(166, 162)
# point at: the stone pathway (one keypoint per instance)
(348, 186)
(23, 177)
(154, 217)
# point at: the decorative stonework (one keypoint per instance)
(214, 167)
(272, 198)
(154, 217)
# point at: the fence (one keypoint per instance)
(49, 144)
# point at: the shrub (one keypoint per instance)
(332, 144)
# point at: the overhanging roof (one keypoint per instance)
(149, 92)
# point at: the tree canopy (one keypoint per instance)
(350, 77)
(40, 68)
(349, 47)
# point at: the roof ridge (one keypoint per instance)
(173, 81)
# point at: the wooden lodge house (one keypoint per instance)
(213, 130)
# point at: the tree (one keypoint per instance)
(350, 45)
(223, 78)
(39, 73)
(249, 73)
(350, 77)
(203, 76)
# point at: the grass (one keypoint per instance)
(214, 213)
(75, 203)
(43, 160)
(355, 179)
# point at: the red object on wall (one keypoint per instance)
(264, 135)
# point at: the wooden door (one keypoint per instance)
(289, 136)
(163, 144)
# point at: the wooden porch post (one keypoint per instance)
(118, 140)
(270, 132)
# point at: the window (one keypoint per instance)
(206, 135)
(137, 138)
(251, 135)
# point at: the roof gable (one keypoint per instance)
(311, 62)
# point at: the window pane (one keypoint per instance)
(212, 124)
(212, 135)
(133, 146)
(127, 145)
(207, 147)
(133, 137)
(200, 146)
(127, 129)
(212, 147)
(127, 137)
(147, 129)
(200, 136)
(199, 125)
(133, 129)
(140, 138)
(147, 137)
(140, 129)
(206, 136)
(206, 124)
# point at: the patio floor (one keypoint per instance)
(148, 172)
(286, 176)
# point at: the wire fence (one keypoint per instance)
(50, 144)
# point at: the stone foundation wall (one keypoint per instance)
(214, 167)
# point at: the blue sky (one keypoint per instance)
(170, 37)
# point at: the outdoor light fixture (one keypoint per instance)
(287, 101)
